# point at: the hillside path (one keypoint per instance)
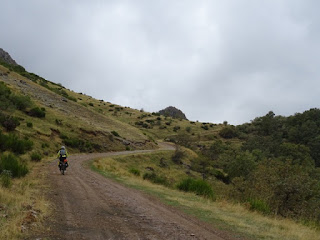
(90, 206)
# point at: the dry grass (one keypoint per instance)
(23, 206)
(121, 165)
(222, 214)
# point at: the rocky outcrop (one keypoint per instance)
(5, 57)
(173, 112)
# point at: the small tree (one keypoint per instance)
(177, 156)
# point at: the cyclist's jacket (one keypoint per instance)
(62, 154)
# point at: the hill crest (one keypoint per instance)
(5, 57)
(173, 112)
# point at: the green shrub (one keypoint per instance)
(153, 177)
(58, 122)
(20, 102)
(72, 98)
(44, 145)
(91, 104)
(37, 112)
(5, 178)
(29, 124)
(11, 163)
(205, 127)
(115, 134)
(228, 132)
(82, 145)
(177, 156)
(9, 123)
(176, 128)
(13, 143)
(63, 136)
(199, 187)
(134, 171)
(259, 206)
(188, 129)
(36, 157)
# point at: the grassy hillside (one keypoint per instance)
(70, 118)
(270, 165)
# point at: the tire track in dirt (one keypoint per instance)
(90, 206)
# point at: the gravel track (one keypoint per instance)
(90, 206)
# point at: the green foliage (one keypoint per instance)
(29, 124)
(228, 132)
(199, 187)
(205, 127)
(188, 129)
(8, 100)
(177, 156)
(153, 177)
(44, 145)
(58, 90)
(176, 128)
(259, 206)
(115, 134)
(241, 166)
(134, 171)
(10, 163)
(82, 145)
(37, 112)
(20, 102)
(36, 157)
(59, 122)
(287, 189)
(5, 178)
(12, 143)
(9, 122)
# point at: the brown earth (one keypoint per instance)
(90, 206)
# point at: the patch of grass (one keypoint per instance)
(11, 163)
(36, 157)
(24, 195)
(5, 178)
(115, 134)
(197, 186)
(134, 171)
(153, 177)
(259, 206)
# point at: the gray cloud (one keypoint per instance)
(215, 60)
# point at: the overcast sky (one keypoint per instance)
(215, 60)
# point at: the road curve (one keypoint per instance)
(90, 206)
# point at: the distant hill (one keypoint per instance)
(5, 57)
(173, 112)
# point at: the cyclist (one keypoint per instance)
(62, 155)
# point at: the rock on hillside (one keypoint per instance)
(173, 112)
(5, 57)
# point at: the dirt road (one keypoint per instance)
(90, 206)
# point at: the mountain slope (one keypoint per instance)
(67, 118)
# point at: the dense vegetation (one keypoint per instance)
(275, 168)
(11, 165)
